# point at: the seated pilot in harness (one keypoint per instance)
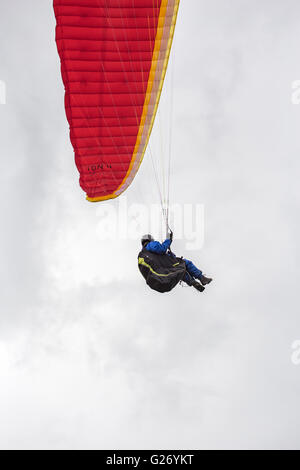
(163, 270)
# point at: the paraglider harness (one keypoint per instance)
(161, 272)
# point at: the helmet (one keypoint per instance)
(146, 239)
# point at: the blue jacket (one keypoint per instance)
(159, 248)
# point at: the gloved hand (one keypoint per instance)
(171, 235)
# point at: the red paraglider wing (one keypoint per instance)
(114, 55)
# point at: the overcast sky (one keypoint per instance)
(89, 356)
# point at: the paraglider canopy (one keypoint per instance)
(114, 56)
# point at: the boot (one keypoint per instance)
(198, 286)
(205, 280)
